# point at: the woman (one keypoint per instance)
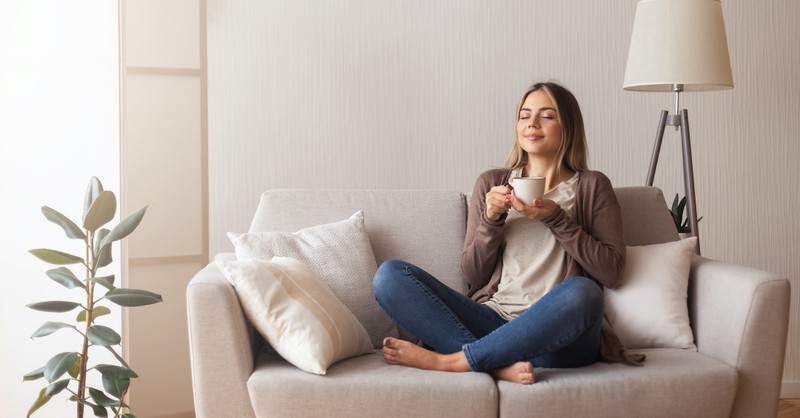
(535, 272)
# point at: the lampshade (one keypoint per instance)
(678, 42)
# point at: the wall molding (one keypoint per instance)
(790, 390)
(177, 259)
(165, 71)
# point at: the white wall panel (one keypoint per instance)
(163, 33)
(420, 94)
(164, 165)
(160, 355)
(162, 154)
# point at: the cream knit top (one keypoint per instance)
(533, 260)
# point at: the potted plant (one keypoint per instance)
(681, 222)
(69, 368)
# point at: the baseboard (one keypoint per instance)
(790, 390)
(187, 414)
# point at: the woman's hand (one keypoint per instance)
(497, 202)
(539, 210)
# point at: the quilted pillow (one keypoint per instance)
(339, 254)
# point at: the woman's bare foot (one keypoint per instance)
(519, 372)
(404, 353)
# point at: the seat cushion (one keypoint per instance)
(366, 386)
(672, 383)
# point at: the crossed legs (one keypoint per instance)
(465, 335)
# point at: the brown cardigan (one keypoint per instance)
(593, 244)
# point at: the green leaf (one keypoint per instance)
(116, 387)
(120, 359)
(101, 398)
(36, 374)
(104, 253)
(58, 365)
(65, 277)
(54, 306)
(101, 212)
(115, 372)
(69, 227)
(99, 411)
(124, 228)
(56, 387)
(55, 257)
(100, 311)
(40, 401)
(105, 281)
(128, 416)
(92, 190)
(101, 335)
(97, 312)
(49, 328)
(75, 370)
(133, 297)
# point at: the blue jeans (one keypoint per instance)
(561, 330)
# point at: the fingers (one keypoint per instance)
(497, 202)
(540, 209)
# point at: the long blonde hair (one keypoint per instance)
(573, 151)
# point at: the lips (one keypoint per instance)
(534, 137)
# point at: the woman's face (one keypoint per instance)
(538, 128)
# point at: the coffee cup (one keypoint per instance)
(527, 189)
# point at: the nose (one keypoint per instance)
(533, 122)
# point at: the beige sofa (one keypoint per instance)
(739, 317)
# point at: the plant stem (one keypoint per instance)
(88, 318)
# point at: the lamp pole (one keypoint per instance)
(679, 120)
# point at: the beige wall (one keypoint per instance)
(163, 166)
(421, 94)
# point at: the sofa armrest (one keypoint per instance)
(740, 316)
(221, 346)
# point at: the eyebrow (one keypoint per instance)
(525, 109)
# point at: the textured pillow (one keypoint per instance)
(649, 309)
(296, 313)
(339, 254)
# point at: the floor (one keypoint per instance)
(789, 408)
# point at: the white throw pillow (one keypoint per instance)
(340, 254)
(649, 308)
(296, 313)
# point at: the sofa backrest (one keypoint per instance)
(427, 227)
(645, 216)
(424, 227)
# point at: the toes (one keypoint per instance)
(389, 342)
(527, 367)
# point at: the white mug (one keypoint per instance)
(527, 189)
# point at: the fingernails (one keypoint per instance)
(510, 187)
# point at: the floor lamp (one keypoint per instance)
(677, 46)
